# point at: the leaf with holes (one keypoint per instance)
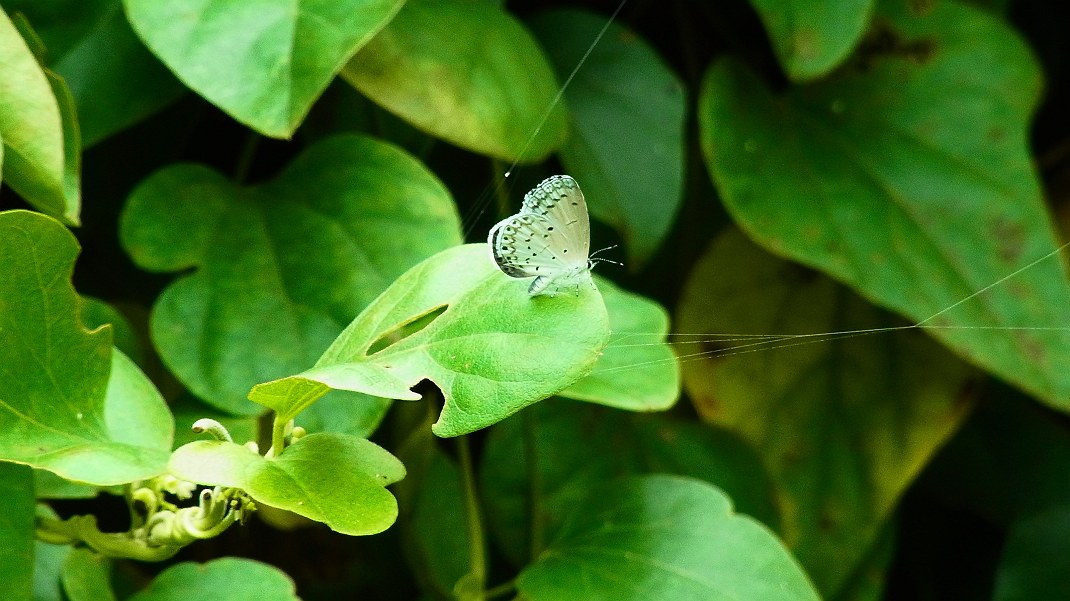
(637, 371)
(457, 320)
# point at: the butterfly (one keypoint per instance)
(549, 239)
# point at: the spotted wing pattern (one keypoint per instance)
(549, 238)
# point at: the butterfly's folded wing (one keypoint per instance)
(560, 200)
(521, 246)
(549, 238)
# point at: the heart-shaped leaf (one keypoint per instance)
(37, 129)
(535, 466)
(668, 536)
(884, 177)
(843, 425)
(626, 143)
(264, 62)
(332, 478)
(467, 72)
(637, 370)
(489, 347)
(281, 267)
(59, 410)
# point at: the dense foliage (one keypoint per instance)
(253, 344)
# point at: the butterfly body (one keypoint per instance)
(549, 239)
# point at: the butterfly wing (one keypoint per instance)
(560, 200)
(549, 238)
(521, 246)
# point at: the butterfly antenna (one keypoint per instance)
(595, 259)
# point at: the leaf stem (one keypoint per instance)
(501, 590)
(535, 484)
(245, 159)
(477, 554)
(278, 435)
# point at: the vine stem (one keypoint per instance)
(477, 553)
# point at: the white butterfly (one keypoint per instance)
(549, 239)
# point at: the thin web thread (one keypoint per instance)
(561, 92)
(769, 342)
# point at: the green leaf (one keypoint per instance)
(467, 72)
(114, 80)
(263, 62)
(843, 425)
(626, 143)
(637, 371)
(907, 176)
(437, 528)
(535, 466)
(812, 37)
(331, 478)
(280, 267)
(229, 578)
(36, 159)
(87, 576)
(48, 562)
(50, 486)
(674, 536)
(490, 348)
(96, 313)
(59, 410)
(1036, 558)
(16, 531)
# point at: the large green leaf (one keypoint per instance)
(283, 266)
(536, 466)
(489, 347)
(467, 72)
(229, 578)
(16, 531)
(59, 410)
(667, 537)
(843, 425)
(37, 149)
(626, 143)
(907, 176)
(264, 62)
(114, 80)
(332, 478)
(812, 37)
(637, 371)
